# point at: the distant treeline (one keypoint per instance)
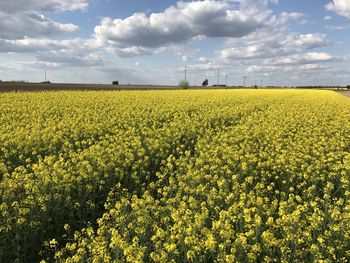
(13, 81)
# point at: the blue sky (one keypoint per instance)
(285, 42)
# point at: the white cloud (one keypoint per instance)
(273, 45)
(255, 4)
(203, 59)
(28, 45)
(181, 23)
(24, 29)
(32, 45)
(24, 18)
(31, 25)
(327, 18)
(312, 67)
(307, 58)
(185, 58)
(254, 69)
(75, 52)
(337, 28)
(340, 7)
(271, 69)
(127, 52)
(293, 75)
(284, 17)
(212, 66)
(18, 6)
(276, 49)
(57, 53)
(70, 58)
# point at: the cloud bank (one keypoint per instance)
(340, 7)
(25, 29)
(19, 6)
(249, 39)
(183, 22)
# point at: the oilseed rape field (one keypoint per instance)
(175, 176)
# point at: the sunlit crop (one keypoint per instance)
(175, 176)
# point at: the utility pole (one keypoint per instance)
(45, 76)
(185, 73)
(218, 76)
(244, 78)
(261, 82)
(226, 80)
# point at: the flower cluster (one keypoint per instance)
(175, 176)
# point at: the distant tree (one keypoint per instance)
(348, 87)
(184, 84)
(115, 82)
(205, 83)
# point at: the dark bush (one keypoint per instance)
(205, 83)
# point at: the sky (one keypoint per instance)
(271, 42)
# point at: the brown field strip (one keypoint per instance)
(4, 87)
